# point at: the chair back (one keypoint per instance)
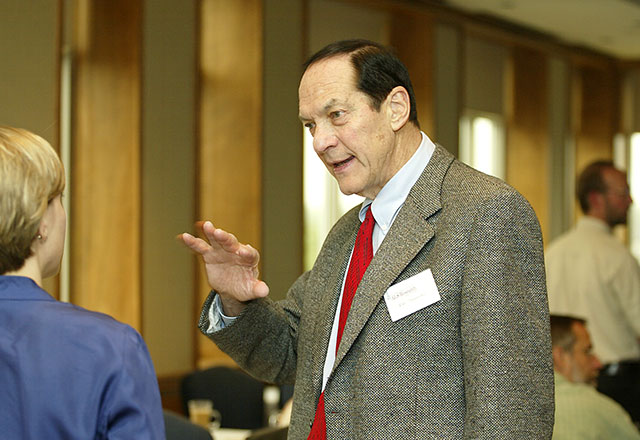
(178, 427)
(234, 393)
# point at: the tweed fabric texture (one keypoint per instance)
(474, 365)
(362, 255)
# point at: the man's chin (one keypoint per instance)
(347, 189)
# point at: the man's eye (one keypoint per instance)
(311, 127)
(336, 114)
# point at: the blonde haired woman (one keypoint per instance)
(66, 373)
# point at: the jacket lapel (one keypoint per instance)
(325, 314)
(409, 233)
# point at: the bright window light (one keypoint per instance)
(482, 142)
(634, 187)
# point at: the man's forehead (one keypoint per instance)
(613, 175)
(325, 84)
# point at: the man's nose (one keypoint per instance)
(596, 362)
(324, 138)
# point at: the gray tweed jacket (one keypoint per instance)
(474, 365)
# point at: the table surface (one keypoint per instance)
(229, 434)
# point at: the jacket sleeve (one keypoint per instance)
(508, 370)
(263, 339)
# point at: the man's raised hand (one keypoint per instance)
(231, 267)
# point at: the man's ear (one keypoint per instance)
(560, 359)
(595, 200)
(399, 107)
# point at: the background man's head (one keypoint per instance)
(603, 193)
(572, 356)
(377, 70)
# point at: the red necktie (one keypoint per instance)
(362, 255)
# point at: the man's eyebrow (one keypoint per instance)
(332, 103)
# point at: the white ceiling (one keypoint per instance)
(608, 26)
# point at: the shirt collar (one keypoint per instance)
(391, 197)
(592, 223)
(21, 288)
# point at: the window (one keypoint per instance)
(482, 144)
(633, 177)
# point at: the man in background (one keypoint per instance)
(581, 411)
(592, 275)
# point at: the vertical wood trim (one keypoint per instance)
(105, 237)
(30, 87)
(168, 182)
(560, 187)
(411, 34)
(597, 110)
(230, 127)
(448, 86)
(527, 130)
(282, 156)
(52, 285)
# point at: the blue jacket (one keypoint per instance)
(68, 373)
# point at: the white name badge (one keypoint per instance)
(411, 295)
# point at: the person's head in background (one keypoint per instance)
(571, 345)
(32, 219)
(603, 193)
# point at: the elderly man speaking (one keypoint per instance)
(425, 314)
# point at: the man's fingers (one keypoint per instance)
(194, 243)
(260, 289)
(249, 254)
(222, 238)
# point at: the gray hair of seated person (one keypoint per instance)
(562, 331)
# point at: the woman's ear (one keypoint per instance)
(43, 230)
(399, 107)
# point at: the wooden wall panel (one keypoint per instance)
(596, 112)
(282, 154)
(29, 86)
(411, 35)
(527, 130)
(230, 127)
(105, 215)
(168, 183)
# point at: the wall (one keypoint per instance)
(29, 79)
(282, 145)
(169, 144)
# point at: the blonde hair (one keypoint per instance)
(31, 175)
